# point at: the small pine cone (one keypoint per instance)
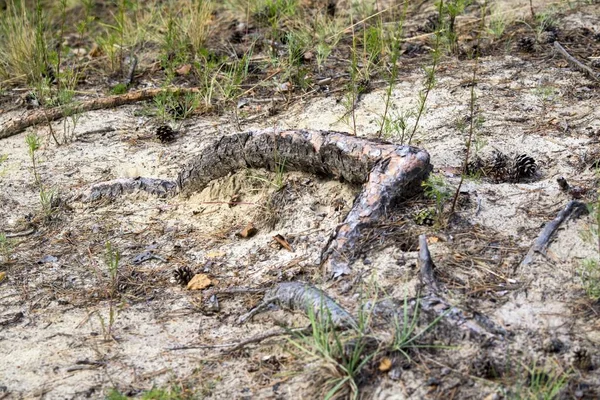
(526, 44)
(476, 166)
(165, 133)
(549, 36)
(183, 275)
(498, 166)
(524, 167)
(582, 360)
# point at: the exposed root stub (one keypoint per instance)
(307, 298)
(388, 172)
(435, 303)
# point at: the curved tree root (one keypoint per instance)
(388, 172)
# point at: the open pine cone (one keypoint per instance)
(501, 168)
(524, 167)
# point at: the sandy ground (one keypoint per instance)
(55, 312)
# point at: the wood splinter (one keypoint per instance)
(387, 172)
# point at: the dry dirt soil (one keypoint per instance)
(64, 333)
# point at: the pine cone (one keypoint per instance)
(165, 133)
(498, 166)
(526, 44)
(524, 167)
(476, 166)
(582, 359)
(183, 275)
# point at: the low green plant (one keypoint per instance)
(540, 383)
(452, 9)
(112, 258)
(173, 105)
(172, 393)
(47, 201)
(3, 168)
(5, 246)
(273, 14)
(429, 81)
(395, 124)
(33, 144)
(119, 88)
(589, 271)
(436, 188)
(497, 25)
(407, 334)
(83, 25)
(23, 44)
(229, 77)
(339, 356)
(47, 196)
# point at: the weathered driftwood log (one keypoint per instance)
(388, 172)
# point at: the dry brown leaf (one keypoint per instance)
(184, 69)
(284, 243)
(199, 282)
(96, 51)
(2, 276)
(385, 365)
(248, 231)
(432, 239)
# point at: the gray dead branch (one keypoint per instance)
(426, 267)
(387, 172)
(433, 301)
(306, 298)
(573, 209)
(45, 116)
(231, 347)
(576, 63)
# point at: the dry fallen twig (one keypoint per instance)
(576, 63)
(243, 343)
(572, 210)
(46, 116)
(434, 302)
